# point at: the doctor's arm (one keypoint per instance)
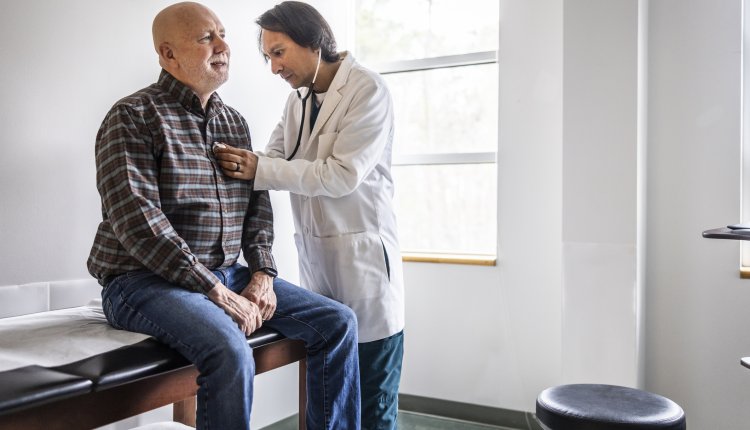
(345, 158)
(352, 152)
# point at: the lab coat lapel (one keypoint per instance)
(333, 96)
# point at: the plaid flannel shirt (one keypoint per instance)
(166, 205)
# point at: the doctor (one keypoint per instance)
(332, 152)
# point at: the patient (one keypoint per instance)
(173, 225)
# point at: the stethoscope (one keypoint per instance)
(304, 103)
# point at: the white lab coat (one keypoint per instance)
(342, 197)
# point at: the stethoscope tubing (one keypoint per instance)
(304, 105)
(301, 122)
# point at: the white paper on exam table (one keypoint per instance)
(59, 337)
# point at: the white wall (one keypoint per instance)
(565, 295)
(600, 339)
(696, 304)
(609, 111)
(561, 306)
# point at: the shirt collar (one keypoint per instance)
(187, 98)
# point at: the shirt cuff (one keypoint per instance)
(200, 279)
(259, 259)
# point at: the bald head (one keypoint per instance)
(172, 22)
(189, 39)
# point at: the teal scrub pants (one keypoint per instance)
(379, 376)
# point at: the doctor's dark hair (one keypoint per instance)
(303, 24)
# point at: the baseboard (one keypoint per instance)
(468, 412)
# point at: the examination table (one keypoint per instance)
(68, 370)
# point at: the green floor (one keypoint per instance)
(407, 421)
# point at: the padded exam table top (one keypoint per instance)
(59, 354)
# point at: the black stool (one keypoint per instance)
(606, 407)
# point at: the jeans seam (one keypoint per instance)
(326, 347)
(325, 388)
(206, 424)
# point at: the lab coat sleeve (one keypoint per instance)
(364, 132)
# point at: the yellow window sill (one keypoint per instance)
(745, 272)
(434, 257)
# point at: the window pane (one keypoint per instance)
(392, 30)
(445, 110)
(447, 208)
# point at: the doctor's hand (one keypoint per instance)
(260, 292)
(236, 162)
(244, 312)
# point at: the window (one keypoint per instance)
(439, 58)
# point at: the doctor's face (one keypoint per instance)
(292, 62)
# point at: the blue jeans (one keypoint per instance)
(190, 323)
(380, 374)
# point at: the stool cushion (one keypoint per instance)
(599, 407)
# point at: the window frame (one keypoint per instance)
(433, 63)
(467, 59)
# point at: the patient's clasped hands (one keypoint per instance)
(255, 304)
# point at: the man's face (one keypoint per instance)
(293, 63)
(201, 52)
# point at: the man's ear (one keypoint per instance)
(166, 53)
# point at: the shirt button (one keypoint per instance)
(307, 230)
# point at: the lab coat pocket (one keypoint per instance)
(354, 266)
(325, 145)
